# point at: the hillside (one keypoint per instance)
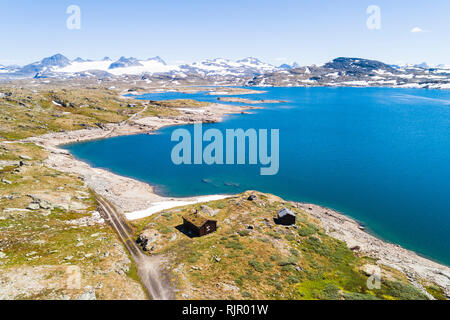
(54, 243)
(27, 112)
(251, 257)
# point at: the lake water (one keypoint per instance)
(379, 155)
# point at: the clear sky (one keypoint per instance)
(276, 31)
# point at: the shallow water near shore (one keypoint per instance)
(378, 155)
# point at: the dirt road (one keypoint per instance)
(152, 277)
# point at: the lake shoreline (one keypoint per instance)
(133, 197)
(129, 195)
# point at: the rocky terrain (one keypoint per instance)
(323, 256)
(353, 72)
(54, 244)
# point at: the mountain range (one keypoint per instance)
(250, 71)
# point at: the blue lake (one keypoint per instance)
(379, 155)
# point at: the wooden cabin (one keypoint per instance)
(286, 217)
(198, 225)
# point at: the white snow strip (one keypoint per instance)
(160, 206)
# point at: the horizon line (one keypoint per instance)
(8, 62)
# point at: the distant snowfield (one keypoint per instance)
(221, 71)
(216, 67)
(3, 69)
(150, 66)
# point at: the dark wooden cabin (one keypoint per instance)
(286, 217)
(198, 225)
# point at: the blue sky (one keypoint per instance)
(306, 31)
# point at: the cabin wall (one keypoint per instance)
(287, 220)
(210, 227)
(207, 228)
(194, 230)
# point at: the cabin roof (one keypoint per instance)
(196, 219)
(283, 212)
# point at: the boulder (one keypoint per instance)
(209, 211)
(252, 198)
(45, 205)
(369, 269)
(147, 238)
(37, 204)
(62, 206)
(34, 206)
(89, 294)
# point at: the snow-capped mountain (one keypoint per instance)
(59, 65)
(295, 65)
(8, 69)
(422, 65)
(253, 63)
(122, 66)
(443, 66)
(56, 61)
(125, 63)
(249, 71)
(357, 72)
(357, 66)
(157, 59)
(225, 67)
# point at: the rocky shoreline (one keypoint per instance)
(410, 263)
(130, 195)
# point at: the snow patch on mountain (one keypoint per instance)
(248, 71)
(132, 66)
(224, 67)
(122, 66)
